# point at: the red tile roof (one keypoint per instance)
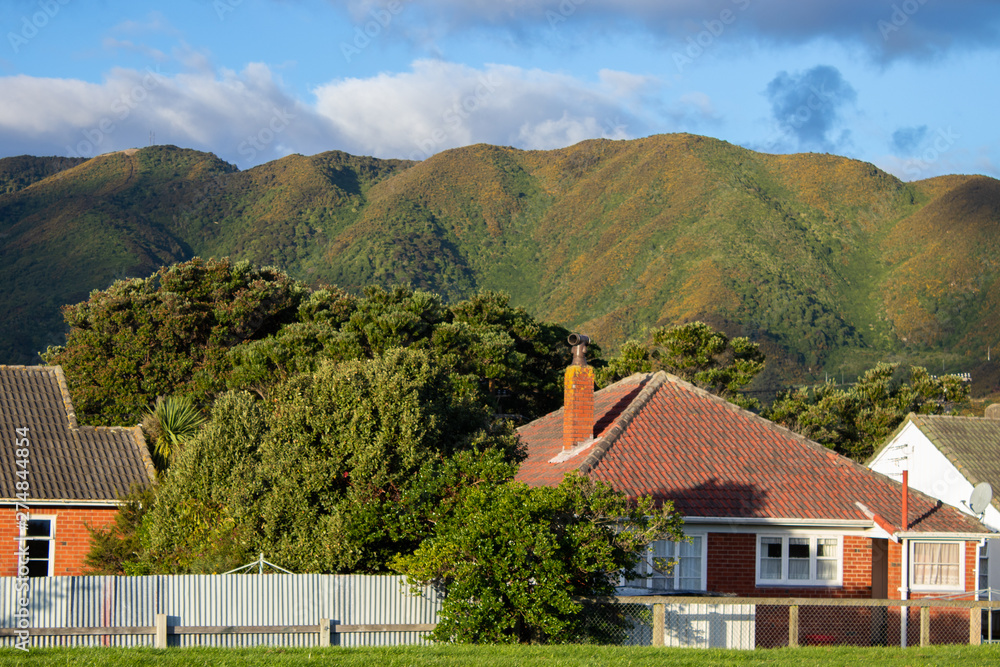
(658, 435)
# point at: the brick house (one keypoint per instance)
(770, 513)
(67, 476)
(947, 457)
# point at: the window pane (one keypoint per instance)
(798, 558)
(662, 549)
(38, 568)
(770, 568)
(826, 548)
(38, 548)
(798, 547)
(798, 568)
(770, 562)
(772, 547)
(692, 584)
(692, 550)
(39, 527)
(936, 564)
(826, 570)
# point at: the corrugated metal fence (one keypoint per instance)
(221, 600)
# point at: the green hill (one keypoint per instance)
(829, 262)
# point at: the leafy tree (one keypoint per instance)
(197, 328)
(516, 562)
(337, 471)
(118, 548)
(856, 420)
(205, 512)
(696, 353)
(167, 334)
(499, 352)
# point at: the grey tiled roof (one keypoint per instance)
(66, 461)
(972, 444)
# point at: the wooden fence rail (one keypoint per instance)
(975, 608)
(327, 629)
(162, 630)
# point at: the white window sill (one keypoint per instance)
(799, 584)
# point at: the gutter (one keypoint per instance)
(49, 502)
(767, 521)
(943, 537)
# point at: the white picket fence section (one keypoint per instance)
(220, 600)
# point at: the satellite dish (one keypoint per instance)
(981, 496)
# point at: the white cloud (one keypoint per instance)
(627, 84)
(232, 114)
(440, 105)
(247, 117)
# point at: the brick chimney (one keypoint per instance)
(578, 410)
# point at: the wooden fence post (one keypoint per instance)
(975, 626)
(925, 626)
(659, 622)
(161, 631)
(793, 625)
(324, 632)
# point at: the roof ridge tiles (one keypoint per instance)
(623, 420)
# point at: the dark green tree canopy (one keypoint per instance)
(516, 561)
(167, 334)
(337, 471)
(696, 353)
(201, 327)
(856, 420)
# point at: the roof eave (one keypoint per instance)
(61, 502)
(934, 537)
(776, 521)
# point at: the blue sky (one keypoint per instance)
(911, 85)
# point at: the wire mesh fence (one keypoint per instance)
(749, 623)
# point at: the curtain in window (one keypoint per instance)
(770, 558)
(826, 559)
(689, 567)
(936, 564)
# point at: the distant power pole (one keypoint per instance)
(152, 138)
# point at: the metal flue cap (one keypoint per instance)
(579, 343)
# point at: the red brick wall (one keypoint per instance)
(970, 575)
(72, 540)
(732, 567)
(732, 563)
(578, 405)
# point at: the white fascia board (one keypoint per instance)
(753, 524)
(49, 502)
(946, 537)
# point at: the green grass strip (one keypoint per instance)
(514, 656)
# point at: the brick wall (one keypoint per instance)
(72, 540)
(578, 405)
(732, 567)
(970, 575)
(732, 563)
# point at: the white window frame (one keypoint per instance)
(51, 538)
(937, 587)
(645, 567)
(812, 581)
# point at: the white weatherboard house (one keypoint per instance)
(946, 458)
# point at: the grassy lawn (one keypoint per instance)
(514, 656)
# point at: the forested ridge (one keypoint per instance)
(829, 263)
